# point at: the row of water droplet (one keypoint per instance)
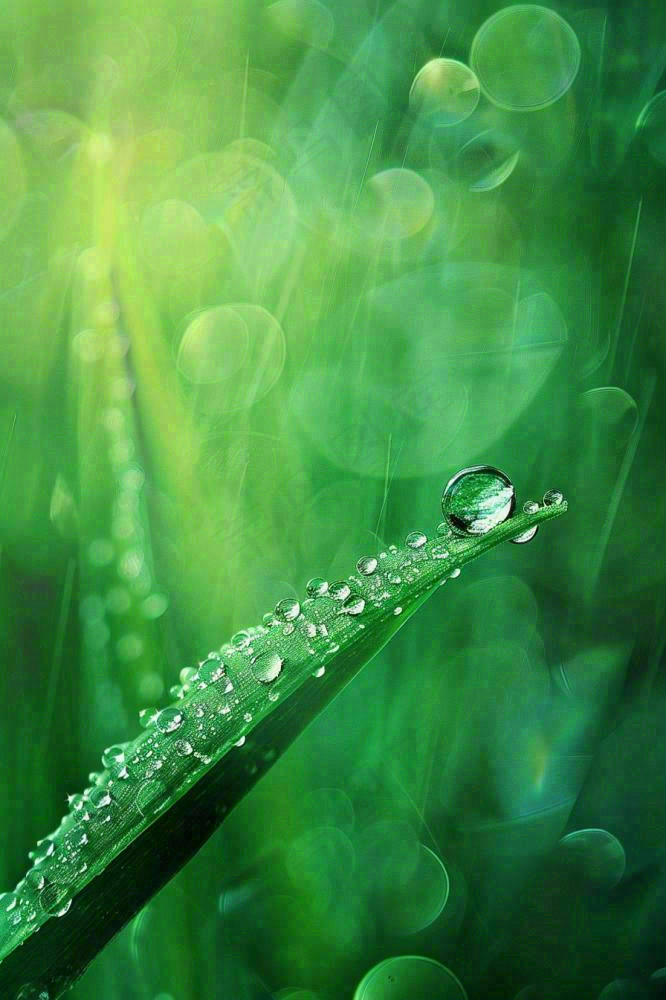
(181, 740)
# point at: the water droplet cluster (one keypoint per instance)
(221, 699)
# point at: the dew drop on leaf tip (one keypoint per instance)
(477, 499)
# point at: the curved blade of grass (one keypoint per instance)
(150, 812)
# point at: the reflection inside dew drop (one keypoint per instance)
(478, 499)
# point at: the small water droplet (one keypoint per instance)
(10, 903)
(397, 611)
(440, 552)
(113, 755)
(367, 565)
(339, 591)
(148, 796)
(309, 629)
(530, 507)
(526, 536)
(267, 666)
(55, 899)
(552, 498)
(35, 879)
(316, 587)
(211, 670)
(240, 742)
(319, 672)
(100, 797)
(183, 748)
(170, 719)
(454, 573)
(416, 539)
(287, 610)
(353, 605)
(394, 578)
(443, 528)
(268, 620)
(288, 629)
(240, 640)
(247, 716)
(273, 695)
(75, 802)
(45, 849)
(147, 717)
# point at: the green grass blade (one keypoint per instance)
(148, 814)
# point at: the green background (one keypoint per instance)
(257, 306)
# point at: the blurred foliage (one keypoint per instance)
(265, 285)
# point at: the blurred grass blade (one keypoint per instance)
(162, 795)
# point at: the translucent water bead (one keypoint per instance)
(476, 500)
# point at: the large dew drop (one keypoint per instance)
(478, 499)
